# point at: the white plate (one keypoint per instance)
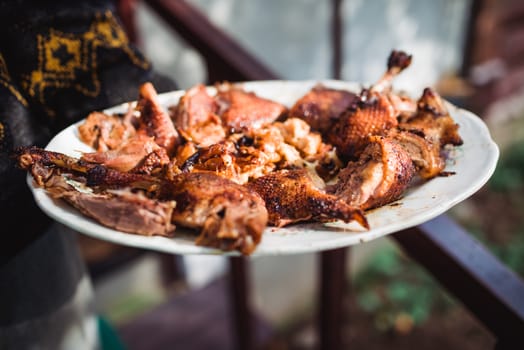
(474, 163)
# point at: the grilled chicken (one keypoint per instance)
(397, 62)
(132, 156)
(380, 175)
(424, 153)
(229, 164)
(154, 121)
(229, 216)
(374, 113)
(433, 120)
(105, 132)
(322, 106)
(292, 196)
(195, 117)
(371, 117)
(241, 110)
(121, 210)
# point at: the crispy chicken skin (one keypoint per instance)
(371, 117)
(195, 117)
(241, 110)
(292, 196)
(424, 153)
(380, 176)
(154, 121)
(433, 120)
(374, 113)
(229, 216)
(322, 106)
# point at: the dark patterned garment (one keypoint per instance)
(59, 60)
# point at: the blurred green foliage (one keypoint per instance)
(391, 288)
(509, 175)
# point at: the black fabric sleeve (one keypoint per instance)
(59, 60)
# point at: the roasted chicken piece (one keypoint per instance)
(292, 196)
(424, 153)
(122, 210)
(257, 152)
(380, 175)
(350, 134)
(140, 154)
(374, 113)
(433, 120)
(195, 117)
(241, 110)
(106, 132)
(219, 158)
(229, 216)
(154, 121)
(322, 106)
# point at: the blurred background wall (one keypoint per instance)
(293, 38)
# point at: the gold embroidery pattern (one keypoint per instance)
(5, 80)
(63, 57)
